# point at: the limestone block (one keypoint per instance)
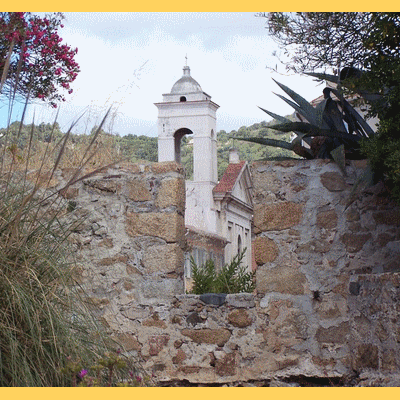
(381, 332)
(179, 357)
(333, 181)
(189, 369)
(152, 291)
(227, 365)
(327, 219)
(366, 356)
(128, 341)
(334, 334)
(137, 190)
(283, 279)
(164, 167)
(266, 182)
(157, 343)
(128, 284)
(107, 242)
(238, 300)
(171, 193)
(265, 250)
(315, 246)
(355, 242)
(284, 362)
(163, 259)
(239, 318)
(131, 168)
(194, 319)
(276, 217)
(352, 215)
(390, 360)
(118, 258)
(209, 336)
(289, 330)
(299, 182)
(167, 226)
(389, 217)
(286, 163)
(157, 323)
(104, 185)
(331, 306)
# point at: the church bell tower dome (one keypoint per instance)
(186, 84)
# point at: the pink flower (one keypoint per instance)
(83, 373)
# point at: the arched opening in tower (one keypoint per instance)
(184, 151)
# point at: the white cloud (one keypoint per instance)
(131, 60)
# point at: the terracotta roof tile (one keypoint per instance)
(229, 178)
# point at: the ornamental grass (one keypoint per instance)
(44, 318)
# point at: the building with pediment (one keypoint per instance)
(218, 215)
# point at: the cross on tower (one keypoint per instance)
(186, 59)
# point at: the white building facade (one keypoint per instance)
(218, 215)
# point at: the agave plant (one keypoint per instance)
(332, 129)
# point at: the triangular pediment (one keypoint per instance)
(242, 188)
(236, 183)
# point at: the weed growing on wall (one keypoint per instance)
(233, 277)
(110, 370)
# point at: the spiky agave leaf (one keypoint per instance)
(294, 146)
(324, 77)
(320, 111)
(283, 120)
(333, 116)
(303, 106)
(312, 130)
(366, 94)
(267, 142)
(353, 113)
(275, 116)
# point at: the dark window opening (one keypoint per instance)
(178, 135)
(183, 98)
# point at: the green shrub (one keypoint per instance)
(233, 277)
(384, 156)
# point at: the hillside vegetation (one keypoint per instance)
(134, 148)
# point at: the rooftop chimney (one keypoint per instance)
(234, 156)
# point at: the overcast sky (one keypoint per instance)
(131, 59)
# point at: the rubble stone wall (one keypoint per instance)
(327, 268)
(328, 286)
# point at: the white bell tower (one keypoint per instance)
(187, 110)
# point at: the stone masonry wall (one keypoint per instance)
(131, 239)
(326, 304)
(328, 271)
